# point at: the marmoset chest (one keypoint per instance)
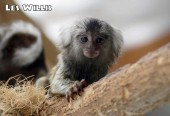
(89, 72)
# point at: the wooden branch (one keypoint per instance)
(130, 91)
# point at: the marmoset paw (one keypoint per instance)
(77, 88)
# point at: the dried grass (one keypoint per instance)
(23, 99)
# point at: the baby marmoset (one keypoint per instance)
(88, 47)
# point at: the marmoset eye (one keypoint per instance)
(99, 40)
(84, 39)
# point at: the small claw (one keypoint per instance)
(67, 97)
(83, 82)
(76, 89)
(80, 88)
(69, 94)
(79, 93)
(72, 96)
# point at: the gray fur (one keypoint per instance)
(73, 65)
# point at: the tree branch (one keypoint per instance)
(132, 90)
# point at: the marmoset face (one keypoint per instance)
(94, 38)
(92, 44)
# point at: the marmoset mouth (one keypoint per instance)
(91, 53)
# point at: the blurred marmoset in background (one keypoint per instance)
(21, 51)
(88, 47)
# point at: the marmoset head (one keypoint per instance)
(21, 50)
(20, 43)
(92, 39)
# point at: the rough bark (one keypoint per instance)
(130, 91)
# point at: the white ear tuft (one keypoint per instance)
(117, 41)
(64, 36)
(119, 37)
